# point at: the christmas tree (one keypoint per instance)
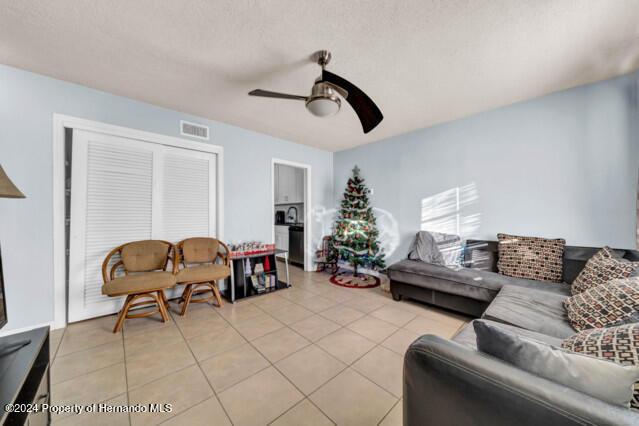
(355, 233)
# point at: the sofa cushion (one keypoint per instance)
(534, 310)
(619, 344)
(472, 283)
(598, 378)
(613, 303)
(467, 336)
(531, 257)
(601, 268)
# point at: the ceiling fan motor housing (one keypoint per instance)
(323, 101)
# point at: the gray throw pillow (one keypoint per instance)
(598, 378)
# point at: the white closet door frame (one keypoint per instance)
(62, 122)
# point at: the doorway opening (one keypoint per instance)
(291, 201)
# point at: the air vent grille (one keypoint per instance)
(194, 130)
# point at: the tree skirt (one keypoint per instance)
(347, 279)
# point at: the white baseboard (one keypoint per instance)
(23, 329)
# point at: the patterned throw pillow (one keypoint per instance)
(619, 344)
(613, 303)
(601, 268)
(531, 257)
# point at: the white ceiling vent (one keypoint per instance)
(194, 130)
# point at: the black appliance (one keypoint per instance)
(296, 244)
(280, 217)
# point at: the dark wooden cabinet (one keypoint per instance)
(24, 377)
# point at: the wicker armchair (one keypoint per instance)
(199, 264)
(144, 278)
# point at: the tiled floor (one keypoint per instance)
(315, 354)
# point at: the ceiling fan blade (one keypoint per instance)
(268, 94)
(369, 115)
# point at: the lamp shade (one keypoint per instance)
(7, 188)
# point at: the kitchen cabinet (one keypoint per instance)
(289, 184)
(281, 237)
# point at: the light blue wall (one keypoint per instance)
(27, 104)
(563, 165)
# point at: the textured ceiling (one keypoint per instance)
(423, 62)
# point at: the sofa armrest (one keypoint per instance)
(446, 383)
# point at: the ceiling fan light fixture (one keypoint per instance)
(323, 101)
(323, 107)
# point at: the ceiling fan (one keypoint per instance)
(324, 100)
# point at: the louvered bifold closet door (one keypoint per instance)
(188, 194)
(112, 182)
(187, 197)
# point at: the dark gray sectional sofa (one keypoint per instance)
(448, 382)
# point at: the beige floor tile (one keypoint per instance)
(365, 304)
(105, 323)
(339, 295)
(317, 303)
(345, 345)
(260, 399)
(207, 345)
(309, 368)
(315, 327)
(351, 399)
(291, 314)
(383, 367)
(295, 294)
(100, 385)
(342, 314)
(54, 344)
(100, 418)
(241, 311)
(271, 302)
(78, 339)
(206, 413)
(395, 416)
(231, 367)
(153, 340)
(304, 413)
(280, 344)
(372, 328)
(143, 325)
(148, 366)
(393, 315)
(83, 362)
(55, 337)
(182, 389)
(399, 341)
(202, 311)
(308, 286)
(258, 326)
(379, 294)
(192, 327)
(423, 325)
(438, 314)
